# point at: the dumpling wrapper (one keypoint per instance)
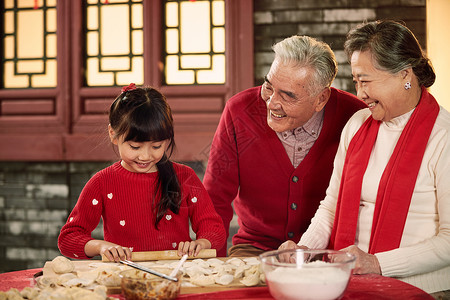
(91, 274)
(200, 262)
(235, 261)
(83, 294)
(196, 270)
(65, 277)
(202, 280)
(224, 279)
(251, 261)
(78, 282)
(29, 292)
(252, 270)
(251, 280)
(107, 278)
(45, 282)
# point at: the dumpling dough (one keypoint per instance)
(61, 265)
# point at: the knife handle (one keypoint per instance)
(166, 254)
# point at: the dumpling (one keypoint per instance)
(65, 277)
(251, 280)
(108, 278)
(224, 279)
(235, 261)
(61, 265)
(202, 280)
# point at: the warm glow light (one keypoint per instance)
(95, 77)
(438, 40)
(195, 47)
(115, 30)
(174, 75)
(119, 44)
(172, 14)
(195, 61)
(11, 80)
(195, 27)
(46, 79)
(30, 34)
(30, 44)
(136, 75)
(217, 74)
(218, 18)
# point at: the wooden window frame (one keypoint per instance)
(77, 129)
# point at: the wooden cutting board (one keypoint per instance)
(165, 255)
(84, 265)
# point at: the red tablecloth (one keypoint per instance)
(364, 287)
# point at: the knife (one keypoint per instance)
(142, 268)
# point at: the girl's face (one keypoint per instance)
(382, 91)
(139, 157)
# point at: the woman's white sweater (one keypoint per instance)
(423, 258)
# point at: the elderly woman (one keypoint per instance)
(388, 201)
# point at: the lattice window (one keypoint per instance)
(194, 42)
(29, 44)
(114, 42)
(63, 61)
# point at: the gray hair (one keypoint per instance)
(394, 48)
(309, 52)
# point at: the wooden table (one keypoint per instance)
(365, 287)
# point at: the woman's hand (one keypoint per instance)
(192, 248)
(112, 251)
(365, 263)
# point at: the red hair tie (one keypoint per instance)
(130, 87)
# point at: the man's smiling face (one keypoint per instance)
(287, 95)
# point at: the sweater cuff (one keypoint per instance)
(76, 249)
(392, 265)
(313, 241)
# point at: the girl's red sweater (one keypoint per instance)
(124, 200)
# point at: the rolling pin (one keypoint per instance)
(166, 254)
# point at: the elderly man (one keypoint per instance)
(273, 151)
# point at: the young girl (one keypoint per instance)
(146, 201)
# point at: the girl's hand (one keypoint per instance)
(112, 251)
(365, 263)
(192, 248)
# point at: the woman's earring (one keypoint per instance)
(407, 85)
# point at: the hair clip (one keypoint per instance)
(130, 87)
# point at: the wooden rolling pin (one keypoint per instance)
(166, 254)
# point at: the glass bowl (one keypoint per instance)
(297, 274)
(139, 285)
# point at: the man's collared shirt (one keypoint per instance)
(299, 141)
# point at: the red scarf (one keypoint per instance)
(396, 184)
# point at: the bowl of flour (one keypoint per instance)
(297, 274)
